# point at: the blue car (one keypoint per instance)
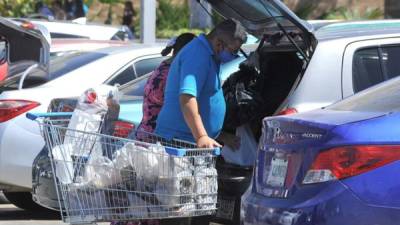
(334, 166)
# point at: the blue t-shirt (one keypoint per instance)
(194, 71)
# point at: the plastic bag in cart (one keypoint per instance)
(82, 144)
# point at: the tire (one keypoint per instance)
(24, 201)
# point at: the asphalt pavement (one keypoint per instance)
(11, 215)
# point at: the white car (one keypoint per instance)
(71, 29)
(70, 75)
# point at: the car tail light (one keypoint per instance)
(28, 25)
(12, 108)
(344, 162)
(287, 111)
(122, 129)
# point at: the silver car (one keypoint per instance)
(307, 68)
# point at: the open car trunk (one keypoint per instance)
(252, 94)
(286, 46)
(20, 48)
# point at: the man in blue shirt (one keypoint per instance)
(194, 105)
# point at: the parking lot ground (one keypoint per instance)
(11, 215)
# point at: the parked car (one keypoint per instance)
(61, 46)
(69, 75)
(330, 166)
(71, 29)
(337, 60)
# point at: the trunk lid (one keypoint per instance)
(289, 145)
(24, 45)
(267, 17)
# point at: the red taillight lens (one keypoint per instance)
(122, 129)
(287, 111)
(350, 161)
(28, 25)
(12, 108)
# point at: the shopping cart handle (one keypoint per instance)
(182, 151)
(34, 116)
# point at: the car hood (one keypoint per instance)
(265, 17)
(24, 45)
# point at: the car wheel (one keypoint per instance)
(23, 200)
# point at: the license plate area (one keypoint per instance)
(276, 175)
(226, 207)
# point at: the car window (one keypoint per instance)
(374, 65)
(59, 66)
(145, 66)
(366, 69)
(120, 36)
(136, 87)
(382, 98)
(3, 52)
(64, 64)
(60, 35)
(390, 60)
(124, 77)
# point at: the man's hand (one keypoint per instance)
(207, 142)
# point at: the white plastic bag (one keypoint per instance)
(100, 172)
(246, 154)
(63, 163)
(81, 141)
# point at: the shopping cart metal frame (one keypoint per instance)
(50, 124)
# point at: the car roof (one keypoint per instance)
(60, 45)
(94, 31)
(127, 48)
(357, 29)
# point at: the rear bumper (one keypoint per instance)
(341, 207)
(20, 142)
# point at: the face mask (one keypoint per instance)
(225, 56)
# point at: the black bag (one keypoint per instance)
(242, 92)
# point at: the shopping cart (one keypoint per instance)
(101, 178)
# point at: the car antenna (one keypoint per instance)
(209, 13)
(302, 53)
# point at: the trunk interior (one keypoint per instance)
(279, 69)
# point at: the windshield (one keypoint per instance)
(59, 66)
(382, 98)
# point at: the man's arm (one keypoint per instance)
(192, 117)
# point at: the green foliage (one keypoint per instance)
(343, 13)
(171, 16)
(16, 8)
(305, 10)
(168, 33)
(110, 1)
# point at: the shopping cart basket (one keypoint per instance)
(103, 178)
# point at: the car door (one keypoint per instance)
(135, 69)
(369, 62)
